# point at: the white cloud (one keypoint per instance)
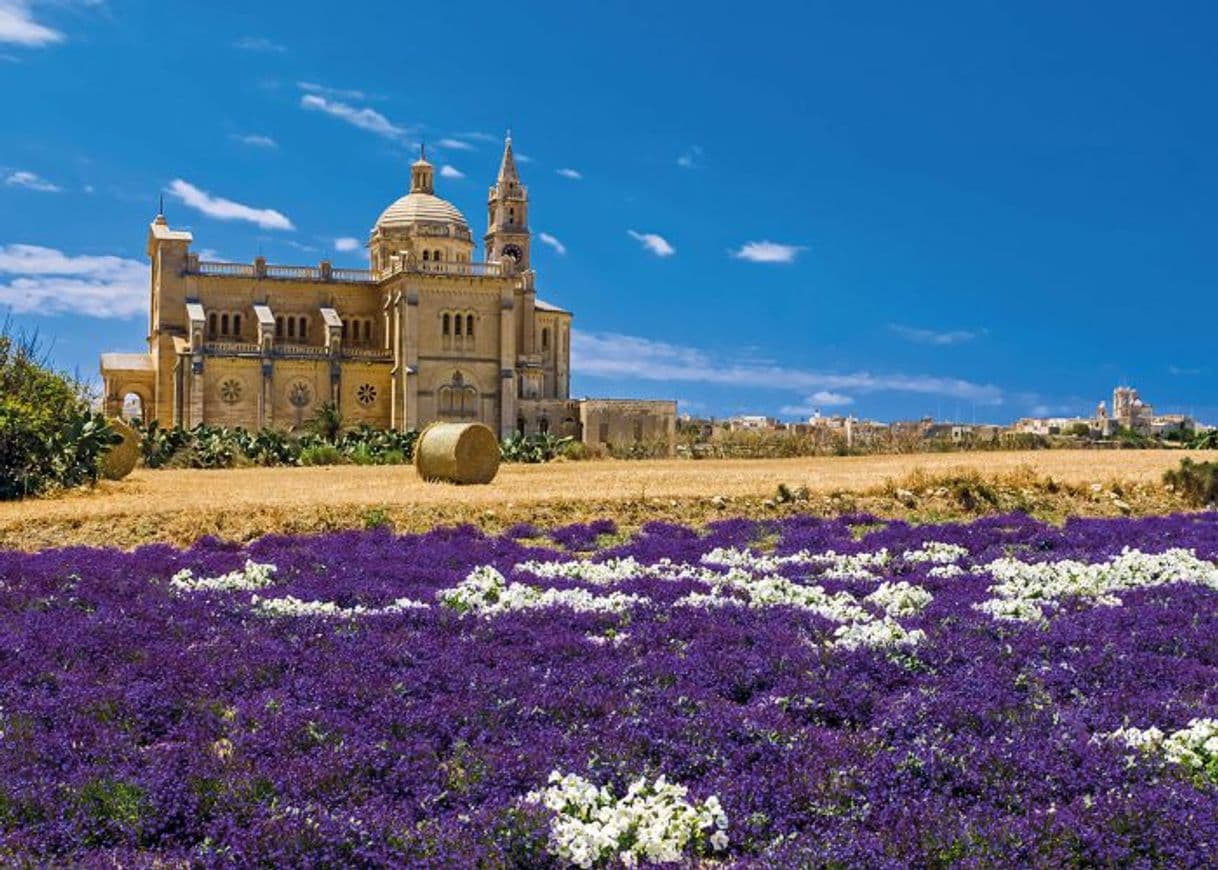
(931, 336)
(657, 244)
(816, 401)
(522, 158)
(573, 174)
(767, 252)
(332, 93)
(31, 181)
(257, 140)
(611, 355)
(547, 239)
(691, 158)
(1180, 371)
(479, 136)
(227, 210)
(18, 27)
(51, 282)
(260, 44)
(447, 171)
(455, 145)
(364, 118)
(345, 244)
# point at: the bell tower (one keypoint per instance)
(507, 234)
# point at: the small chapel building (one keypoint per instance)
(426, 333)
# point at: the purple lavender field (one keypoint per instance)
(850, 692)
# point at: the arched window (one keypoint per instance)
(279, 327)
(224, 324)
(457, 325)
(543, 426)
(469, 325)
(237, 325)
(512, 216)
(437, 256)
(211, 325)
(457, 398)
(304, 327)
(426, 255)
(545, 338)
(368, 330)
(291, 327)
(446, 323)
(344, 330)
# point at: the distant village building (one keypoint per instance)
(1129, 412)
(424, 333)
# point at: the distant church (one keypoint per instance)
(426, 333)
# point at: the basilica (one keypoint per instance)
(427, 332)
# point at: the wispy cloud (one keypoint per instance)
(256, 140)
(332, 93)
(573, 174)
(767, 252)
(932, 336)
(226, 209)
(691, 157)
(547, 239)
(479, 136)
(447, 171)
(455, 145)
(31, 181)
(364, 118)
(522, 158)
(18, 27)
(51, 282)
(346, 244)
(631, 357)
(816, 401)
(1183, 372)
(259, 44)
(657, 244)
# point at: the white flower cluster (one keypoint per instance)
(653, 823)
(1024, 590)
(617, 570)
(486, 592)
(291, 606)
(860, 627)
(255, 575)
(840, 566)
(886, 632)
(615, 639)
(936, 552)
(900, 598)
(946, 572)
(1194, 747)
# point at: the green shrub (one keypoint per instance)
(532, 448)
(1196, 481)
(322, 454)
(49, 437)
(1205, 441)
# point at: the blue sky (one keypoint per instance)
(975, 210)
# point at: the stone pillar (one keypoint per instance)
(507, 362)
(410, 355)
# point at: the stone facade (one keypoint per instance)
(425, 333)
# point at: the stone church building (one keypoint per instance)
(426, 333)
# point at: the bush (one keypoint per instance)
(49, 437)
(532, 448)
(322, 454)
(1205, 441)
(1196, 481)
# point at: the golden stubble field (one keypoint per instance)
(178, 506)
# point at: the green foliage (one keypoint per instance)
(327, 422)
(1196, 481)
(532, 448)
(321, 454)
(225, 447)
(49, 437)
(1205, 441)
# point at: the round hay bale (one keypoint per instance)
(457, 453)
(120, 459)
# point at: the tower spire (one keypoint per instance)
(507, 167)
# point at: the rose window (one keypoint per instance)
(230, 391)
(366, 394)
(299, 394)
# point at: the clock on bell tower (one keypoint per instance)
(507, 235)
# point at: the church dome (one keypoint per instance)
(421, 208)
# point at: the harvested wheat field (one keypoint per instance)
(180, 505)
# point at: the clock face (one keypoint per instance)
(513, 252)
